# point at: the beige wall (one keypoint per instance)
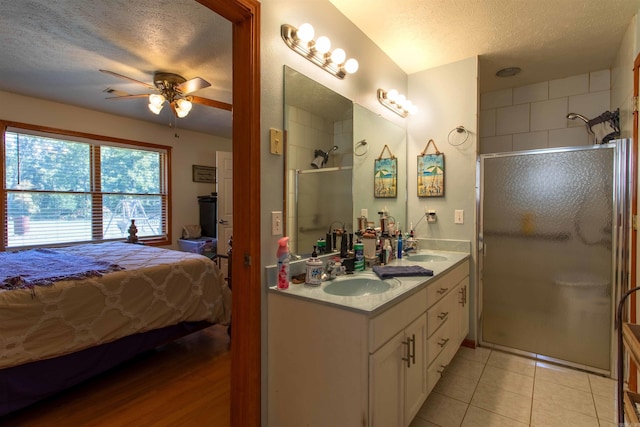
(191, 148)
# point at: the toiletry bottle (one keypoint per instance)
(314, 270)
(283, 263)
(359, 255)
(387, 251)
(399, 244)
(322, 246)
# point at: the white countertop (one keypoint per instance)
(400, 286)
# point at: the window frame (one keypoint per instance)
(95, 191)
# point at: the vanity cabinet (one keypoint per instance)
(331, 365)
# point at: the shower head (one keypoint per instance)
(322, 157)
(573, 116)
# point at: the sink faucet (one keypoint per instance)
(332, 269)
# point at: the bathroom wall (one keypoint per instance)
(534, 116)
(447, 97)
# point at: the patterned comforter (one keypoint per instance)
(156, 288)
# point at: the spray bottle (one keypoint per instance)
(283, 263)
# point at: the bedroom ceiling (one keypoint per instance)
(548, 39)
(53, 49)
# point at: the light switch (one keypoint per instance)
(458, 216)
(275, 136)
(276, 223)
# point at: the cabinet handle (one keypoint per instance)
(443, 315)
(408, 353)
(442, 368)
(442, 290)
(443, 342)
(461, 299)
(413, 348)
(465, 293)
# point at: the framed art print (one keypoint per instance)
(385, 177)
(431, 175)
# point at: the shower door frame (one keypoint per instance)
(620, 249)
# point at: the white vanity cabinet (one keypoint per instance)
(334, 366)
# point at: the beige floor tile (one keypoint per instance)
(606, 407)
(465, 368)
(563, 376)
(442, 410)
(565, 397)
(456, 386)
(421, 422)
(507, 380)
(602, 386)
(502, 402)
(511, 362)
(545, 414)
(478, 354)
(477, 417)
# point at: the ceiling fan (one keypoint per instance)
(171, 88)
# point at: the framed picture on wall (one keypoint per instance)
(431, 175)
(385, 177)
(204, 174)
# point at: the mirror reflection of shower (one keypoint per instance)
(322, 157)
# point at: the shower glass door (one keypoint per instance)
(548, 252)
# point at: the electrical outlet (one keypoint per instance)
(458, 216)
(276, 223)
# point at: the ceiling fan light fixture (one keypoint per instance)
(156, 99)
(155, 109)
(183, 107)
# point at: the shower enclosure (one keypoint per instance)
(554, 227)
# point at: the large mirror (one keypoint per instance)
(331, 147)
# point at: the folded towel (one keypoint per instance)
(387, 271)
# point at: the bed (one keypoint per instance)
(67, 328)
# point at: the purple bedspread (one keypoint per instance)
(38, 267)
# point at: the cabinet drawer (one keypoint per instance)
(442, 339)
(393, 320)
(438, 314)
(435, 370)
(438, 289)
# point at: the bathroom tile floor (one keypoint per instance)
(486, 388)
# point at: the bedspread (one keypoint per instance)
(158, 287)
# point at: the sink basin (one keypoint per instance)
(425, 257)
(357, 286)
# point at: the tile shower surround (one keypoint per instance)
(486, 388)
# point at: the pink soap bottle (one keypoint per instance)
(283, 263)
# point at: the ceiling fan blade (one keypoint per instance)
(144, 95)
(129, 78)
(193, 85)
(211, 103)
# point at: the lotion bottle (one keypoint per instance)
(283, 263)
(314, 270)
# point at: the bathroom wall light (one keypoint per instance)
(318, 51)
(397, 102)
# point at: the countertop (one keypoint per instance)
(400, 286)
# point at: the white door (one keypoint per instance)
(224, 170)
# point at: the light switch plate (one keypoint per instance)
(458, 216)
(275, 136)
(276, 223)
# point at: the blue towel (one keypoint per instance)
(387, 271)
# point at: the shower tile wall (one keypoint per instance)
(534, 116)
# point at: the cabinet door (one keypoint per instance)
(416, 368)
(386, 383)
(462, 292)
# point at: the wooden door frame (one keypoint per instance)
(245, 335)
(633, 373)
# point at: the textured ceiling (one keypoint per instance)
(53, 49)
(548, 39)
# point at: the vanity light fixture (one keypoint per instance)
(397, 102)
(318, 51)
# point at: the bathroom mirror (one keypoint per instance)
(318, 160)
(318, 199)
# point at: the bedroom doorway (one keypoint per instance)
(245, 340)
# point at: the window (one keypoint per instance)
(73, 188)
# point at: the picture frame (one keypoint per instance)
(431, 175)
(385, 178)
(206, 174)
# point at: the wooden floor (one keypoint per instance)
(184, 383)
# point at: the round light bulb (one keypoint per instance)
(392, 95)
(400, 100)
(338, 56)
(323, 44)
(305, 33)
(351, 66)
(413, 110)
